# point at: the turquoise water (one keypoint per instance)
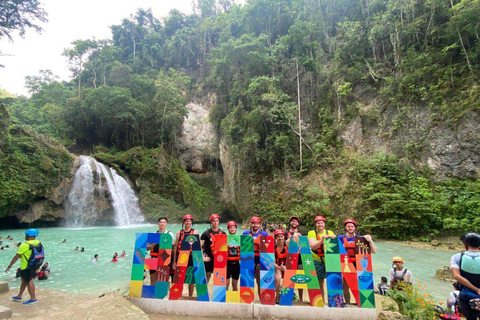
(73, 272)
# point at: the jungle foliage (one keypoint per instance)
(287, 74)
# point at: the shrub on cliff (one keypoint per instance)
(163, 182)
(31, 165)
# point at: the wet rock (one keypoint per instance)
(444, 274)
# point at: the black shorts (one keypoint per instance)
(233, 270)
(209, 265)
(28, 274)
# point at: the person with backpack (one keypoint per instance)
(465, 267)
(31, 255)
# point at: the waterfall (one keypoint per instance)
(81, 206)
(124, 201)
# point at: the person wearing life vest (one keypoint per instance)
(281, 253)
(154, 248)
(348, 240)
(233, 259)
(465, 267)
(255, 232)
(186, 230)
(44, 272)
(27, 274)
(399, 275)
(292, 235)
(315, 239)
(208, 243)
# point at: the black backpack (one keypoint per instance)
(37, 257)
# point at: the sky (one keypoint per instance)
(69, 20)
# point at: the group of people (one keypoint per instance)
(114, 258)
(282, 239)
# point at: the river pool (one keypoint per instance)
(73, 272)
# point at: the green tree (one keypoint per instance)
(20, 15)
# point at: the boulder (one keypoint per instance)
(4, 287)
(388, 304)
(445, 274)
(5, 312)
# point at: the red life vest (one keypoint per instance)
(281, 257)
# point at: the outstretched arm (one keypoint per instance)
(15, 258)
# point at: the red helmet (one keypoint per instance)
(350, 221)
(278, 231)
(255, 219)
(187, 216)
(231, 224)
(319, 218)
(214, 216)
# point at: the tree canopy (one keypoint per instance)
(20, 15)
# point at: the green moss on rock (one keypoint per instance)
(31, 165)
(164, 186)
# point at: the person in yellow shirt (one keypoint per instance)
(315, 239)
(27, 274)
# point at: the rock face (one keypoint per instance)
(198, 144)
(449, 149)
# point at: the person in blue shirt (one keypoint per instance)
(255, 232)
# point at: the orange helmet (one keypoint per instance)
(350, 221)
(214, 216)
(231, 224)
(397, 259)
(255, 219)
(187, 216)
(319, 218)
(278, 231)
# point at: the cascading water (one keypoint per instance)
(81, 205)
(124, 201)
